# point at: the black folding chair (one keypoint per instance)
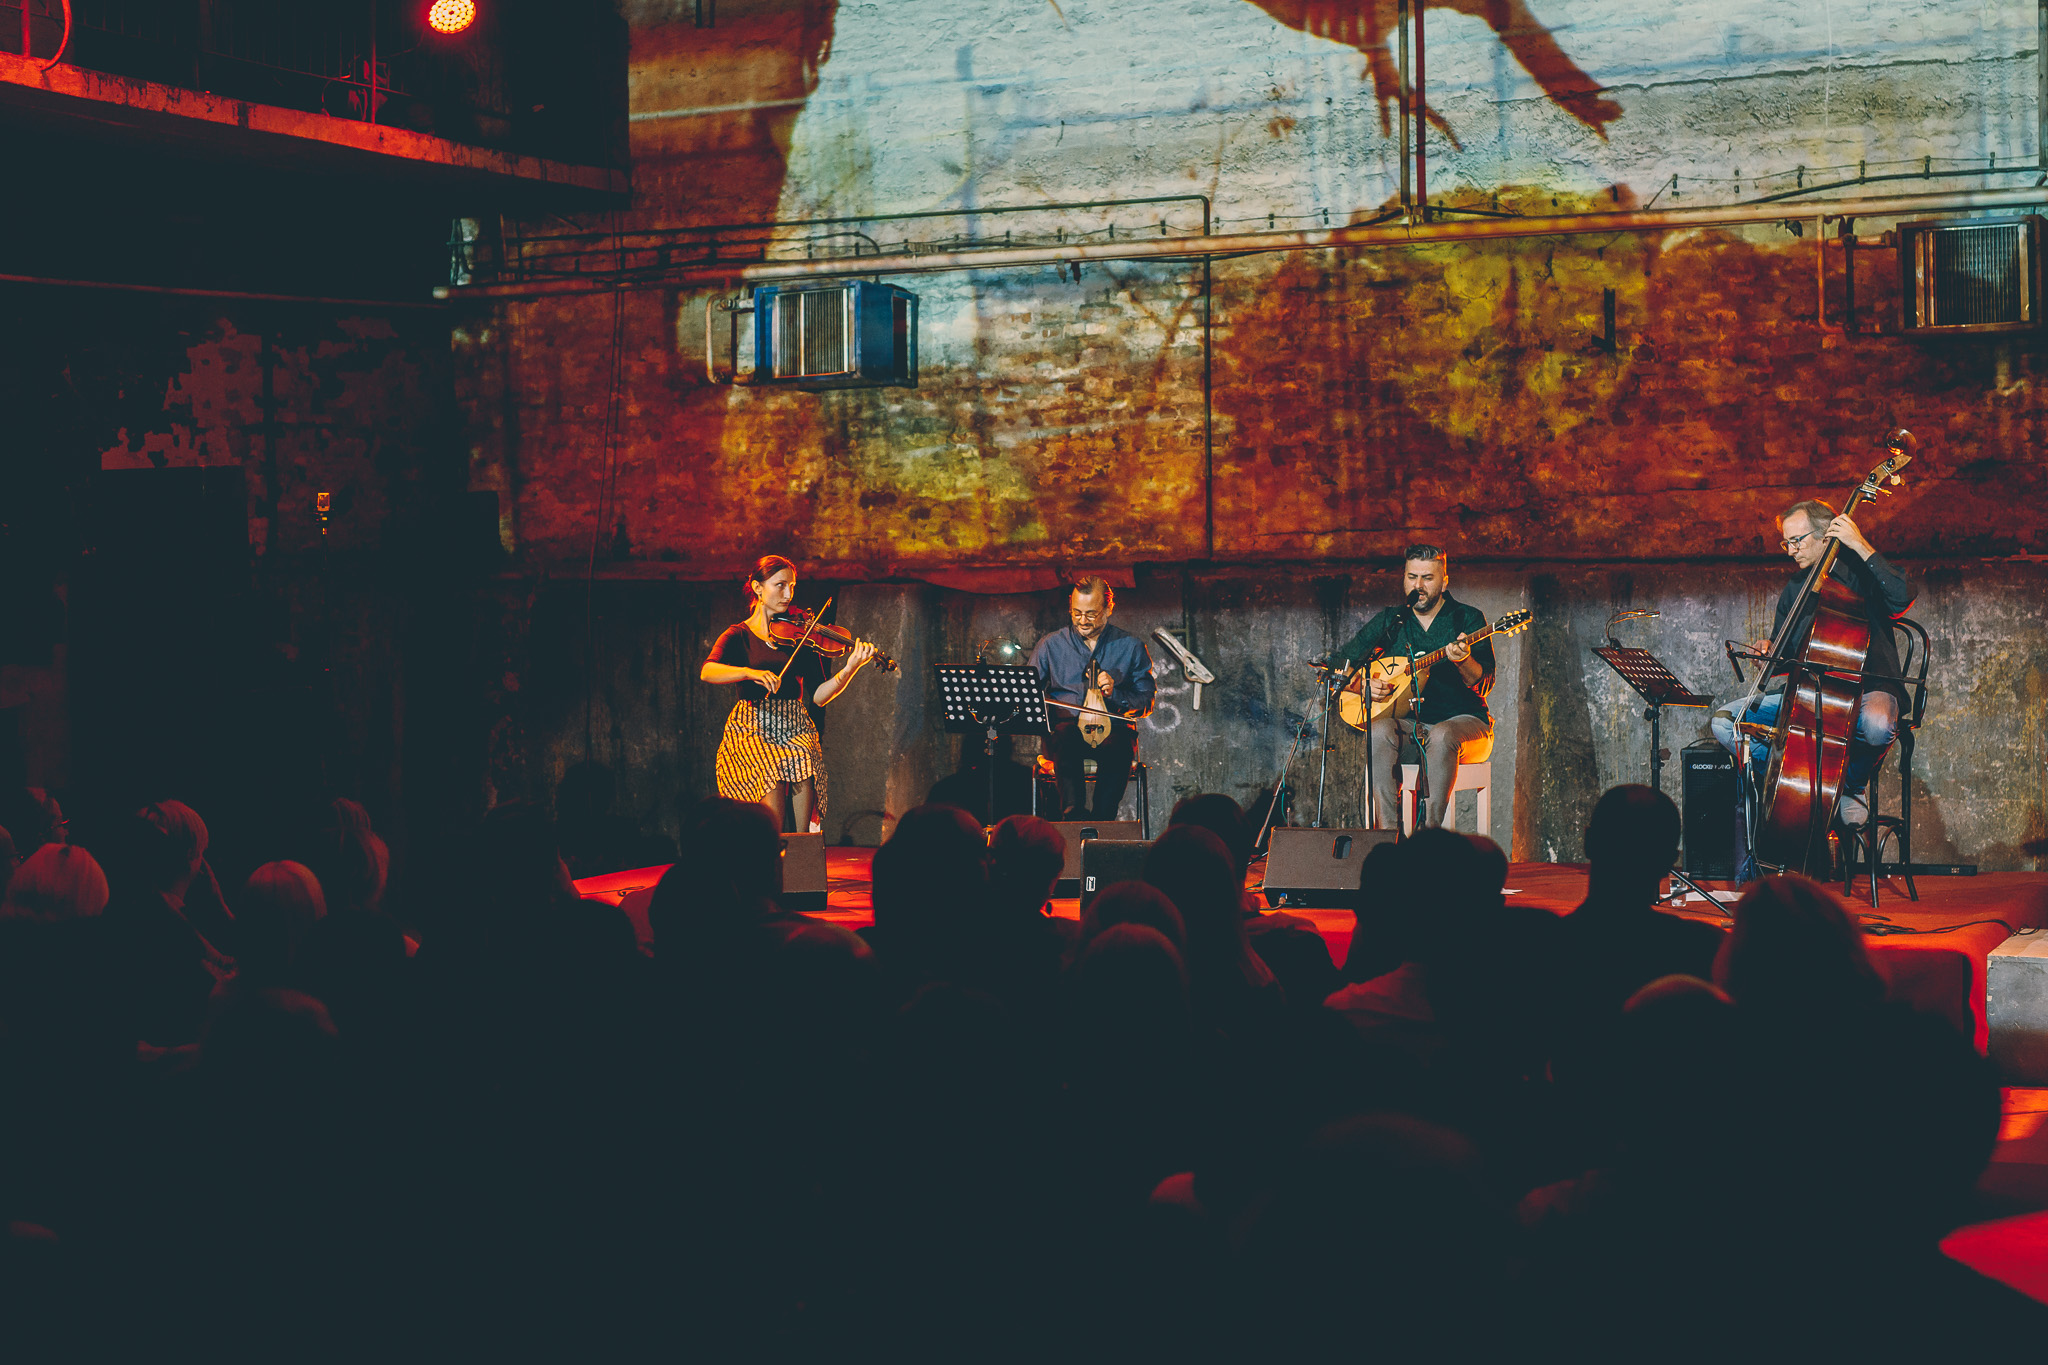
(1865, 843)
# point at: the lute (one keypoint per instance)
(1357, 709)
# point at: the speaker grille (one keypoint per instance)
(1972, 275)
(813, 328)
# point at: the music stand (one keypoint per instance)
(1654, 682)
(1641, 670)
(991, 699)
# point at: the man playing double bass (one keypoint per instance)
(1123, 673)
(1804, 530)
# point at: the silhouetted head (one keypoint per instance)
(1025, 857)
(932, 875)
(187, 834)
(1128, 990)
(56, 882)
(1456, 879)
(1132, 903)
(277, 908)
(727, 876)
(1795, 950)
(1194, 869)
(1632, 841)
(141, 858)
(349, 858)
(1222, 817)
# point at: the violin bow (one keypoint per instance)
(794, 649)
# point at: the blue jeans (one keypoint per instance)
(1877, 721)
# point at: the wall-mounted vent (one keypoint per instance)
(851, 335)
(1971, 275)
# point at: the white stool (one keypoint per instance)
(1472, 777)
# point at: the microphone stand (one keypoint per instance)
(1286, 766)
(1323, 731)
(1413, 630)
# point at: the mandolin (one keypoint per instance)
(1358, 710)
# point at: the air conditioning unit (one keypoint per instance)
(1970, 275)
(852, 334)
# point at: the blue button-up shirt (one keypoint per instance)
(1061, 660)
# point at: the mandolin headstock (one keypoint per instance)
(1514, 621)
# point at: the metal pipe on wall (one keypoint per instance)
(1361, 236)
(1401, 49)
(1421, 122)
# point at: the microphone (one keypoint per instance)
(1414, 596)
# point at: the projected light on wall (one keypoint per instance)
(451, 16)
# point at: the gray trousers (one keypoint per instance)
(1456, 739)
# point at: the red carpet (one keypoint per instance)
(1938, 965)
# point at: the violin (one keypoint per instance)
(798, 628)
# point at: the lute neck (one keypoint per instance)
(1435, 656)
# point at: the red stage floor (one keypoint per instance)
(1938, 964)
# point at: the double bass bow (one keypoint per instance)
(1809, 745)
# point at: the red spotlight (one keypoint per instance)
(451, 16)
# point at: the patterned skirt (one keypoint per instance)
(767, 742)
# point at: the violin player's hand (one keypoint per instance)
(863, 650)
(768, 678)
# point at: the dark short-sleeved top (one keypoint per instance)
(1061, 660)
(1886, 597)
(741, 648)
(1444, 692)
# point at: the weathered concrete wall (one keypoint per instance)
(1360, 400)
(1566, 727)
(160, 472)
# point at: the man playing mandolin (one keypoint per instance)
(1451, 711)
(1092, 651)
(1805, 530)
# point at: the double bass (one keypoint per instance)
(1809, 746)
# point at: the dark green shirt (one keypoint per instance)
(1444, 692)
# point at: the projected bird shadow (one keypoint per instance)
(1369, 25)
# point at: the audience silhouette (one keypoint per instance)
(979, 1130)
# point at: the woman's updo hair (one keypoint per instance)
(765, 568)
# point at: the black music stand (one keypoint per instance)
(1654, 682)
(1641, 670)
(991, 700)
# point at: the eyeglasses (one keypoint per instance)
(1087, 615)
(1793, 543)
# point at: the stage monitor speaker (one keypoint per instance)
(1708, 790)
(1076, 832)
(1105, 862)
(1318, 866)
(803, 873)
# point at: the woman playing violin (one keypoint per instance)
(771, 752)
